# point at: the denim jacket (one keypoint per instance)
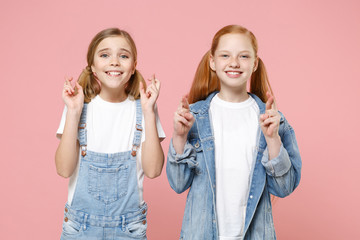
(195, 169)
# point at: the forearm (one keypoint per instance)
(179, 143)
(284, 171)
(152, 155)
(180, 168)
(273, 145)
(66, 156)
(281, 175)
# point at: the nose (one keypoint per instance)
(114, 61)
(234, 62)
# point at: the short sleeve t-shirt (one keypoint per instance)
(235, 130)
(110, 129)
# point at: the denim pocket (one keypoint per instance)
(108, 184)
(70, 227)
(137, 229)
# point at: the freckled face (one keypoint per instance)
(234, 60)
(113, 62)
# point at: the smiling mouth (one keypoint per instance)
(233, 73)
(113, 73)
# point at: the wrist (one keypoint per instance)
(178, 143)
(273, 141)
(149, 114)
(179, 138)
(74, 112)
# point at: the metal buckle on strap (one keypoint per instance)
(133, 150)
(138, 127)
(83, 150)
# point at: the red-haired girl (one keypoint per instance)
(231, 147)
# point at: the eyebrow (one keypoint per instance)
(243, 51)
(106, 49)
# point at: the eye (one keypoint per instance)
(244, 56)
(124, 56)
(224, 55)
(104, 55)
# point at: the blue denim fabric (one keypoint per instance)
(106, 199)
(195, 169)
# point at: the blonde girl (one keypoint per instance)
(109, 139)
(231, 147)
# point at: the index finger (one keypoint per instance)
(68, 80)
(156, 82)
(273, 106)
(270, 103)
(185, 103)
(152, 79)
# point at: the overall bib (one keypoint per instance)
(106, 201)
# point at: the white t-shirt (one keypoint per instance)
(110, 129)
(235, 129)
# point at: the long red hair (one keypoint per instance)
(206, 80)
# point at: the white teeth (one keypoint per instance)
(114, 73)
(233, 73)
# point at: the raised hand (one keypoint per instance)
(73, 96)
(150, 95)
(183, 119)
(269, 123)
(270, 120)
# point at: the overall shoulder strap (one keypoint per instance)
(138, 128)
(82, 136)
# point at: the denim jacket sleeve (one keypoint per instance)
(180, 168)
(284, 171)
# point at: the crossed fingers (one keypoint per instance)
(182, 113)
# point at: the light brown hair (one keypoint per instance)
(87, 80)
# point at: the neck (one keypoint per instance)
(113, 95)
(233, 95)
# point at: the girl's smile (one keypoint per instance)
(113, 65)
(114, 73)
(234, 61)
(233, 74)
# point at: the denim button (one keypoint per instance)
(144, 211)
(251, 196)
(197, 144)
(144, 222)
(66, 219)
(66, 210)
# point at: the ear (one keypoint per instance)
(256, 64)
(212, 63)
(92, 68)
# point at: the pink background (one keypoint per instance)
(311, 50)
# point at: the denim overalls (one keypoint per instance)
(106, 199)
